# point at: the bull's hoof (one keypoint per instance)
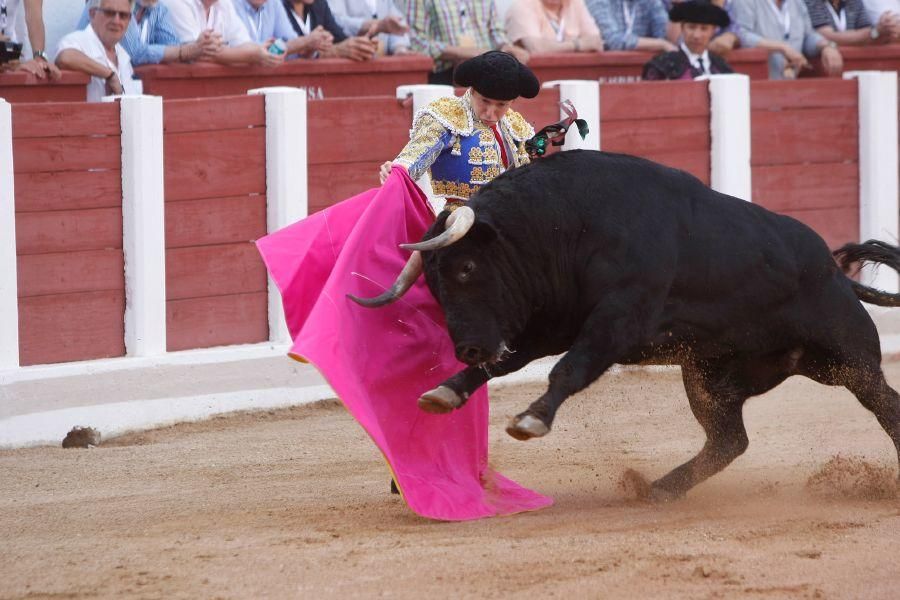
(661, 496)
(440, 400)
(525, 427)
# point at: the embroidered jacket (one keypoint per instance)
(460, 151)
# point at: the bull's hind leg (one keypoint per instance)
(717, 404)
(882, 400)
(866, 382)
(716, 393)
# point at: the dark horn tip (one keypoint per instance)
(375, 302)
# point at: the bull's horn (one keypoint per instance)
(405, 280)
(458, 223)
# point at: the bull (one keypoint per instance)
(615, 259)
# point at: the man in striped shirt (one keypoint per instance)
(847, 23)
(451, 31)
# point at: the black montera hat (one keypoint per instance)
(498, 76)
(699, 11)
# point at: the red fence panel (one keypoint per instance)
(666, 121)
(215, 182)
(805, 153)
(71, 282)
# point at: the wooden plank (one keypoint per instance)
(215, 221)
(201, 114)
(68, 190)
(68, 230)
(803, 93)
(356, 129)
(217, 321)
(837, 225)
(214, 164)
(68, 272)
(70, 327)
(66, 119)
(806, 187)
(33, 155)
(653, 100)
(643, 137)
(815, 135)
(214, 271)
(331, 183)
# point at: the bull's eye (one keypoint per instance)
(466, 270)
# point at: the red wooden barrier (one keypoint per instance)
(666, 121)
(19, 86)
(215, 184)
(623, 67)
(333, 77)
(805, 153)
(863, 58)
(68, 189)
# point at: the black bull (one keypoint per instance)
(614, 259)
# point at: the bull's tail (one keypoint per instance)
(873, 252)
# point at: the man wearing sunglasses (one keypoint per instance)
(95, 50)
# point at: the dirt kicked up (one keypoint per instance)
(296, 504)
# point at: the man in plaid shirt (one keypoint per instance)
(451, 31)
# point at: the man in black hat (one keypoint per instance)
(699, 20)
(464, 142)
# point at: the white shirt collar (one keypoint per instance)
(695, 58)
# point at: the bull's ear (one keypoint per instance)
(482, 232)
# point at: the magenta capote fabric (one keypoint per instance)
(379, 361)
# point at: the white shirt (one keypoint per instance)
(8, 26)
(698, 61)
(189, 20)
(87, 42)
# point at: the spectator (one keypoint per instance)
(783, 28)
(95, 50)
(314, 18)
(632, 24)
(38, 66)
(878, 8)
(151, 39)
(267, 20)
(451, 31)
(847, 23)
(699, 20)
(724, 40)
(218, 19)
(371, 18)
(542, 26)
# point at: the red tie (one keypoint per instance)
(502, 146)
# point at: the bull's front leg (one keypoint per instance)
(455, 391)
(601, 342)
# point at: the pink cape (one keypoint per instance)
(379, 361)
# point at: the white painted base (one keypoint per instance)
(49, 428)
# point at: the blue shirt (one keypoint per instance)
(156, 29)
(622, 22)
(267, 22)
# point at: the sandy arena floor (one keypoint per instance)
(295, 504)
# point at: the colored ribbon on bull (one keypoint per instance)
(379, 361)
(555, 134)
